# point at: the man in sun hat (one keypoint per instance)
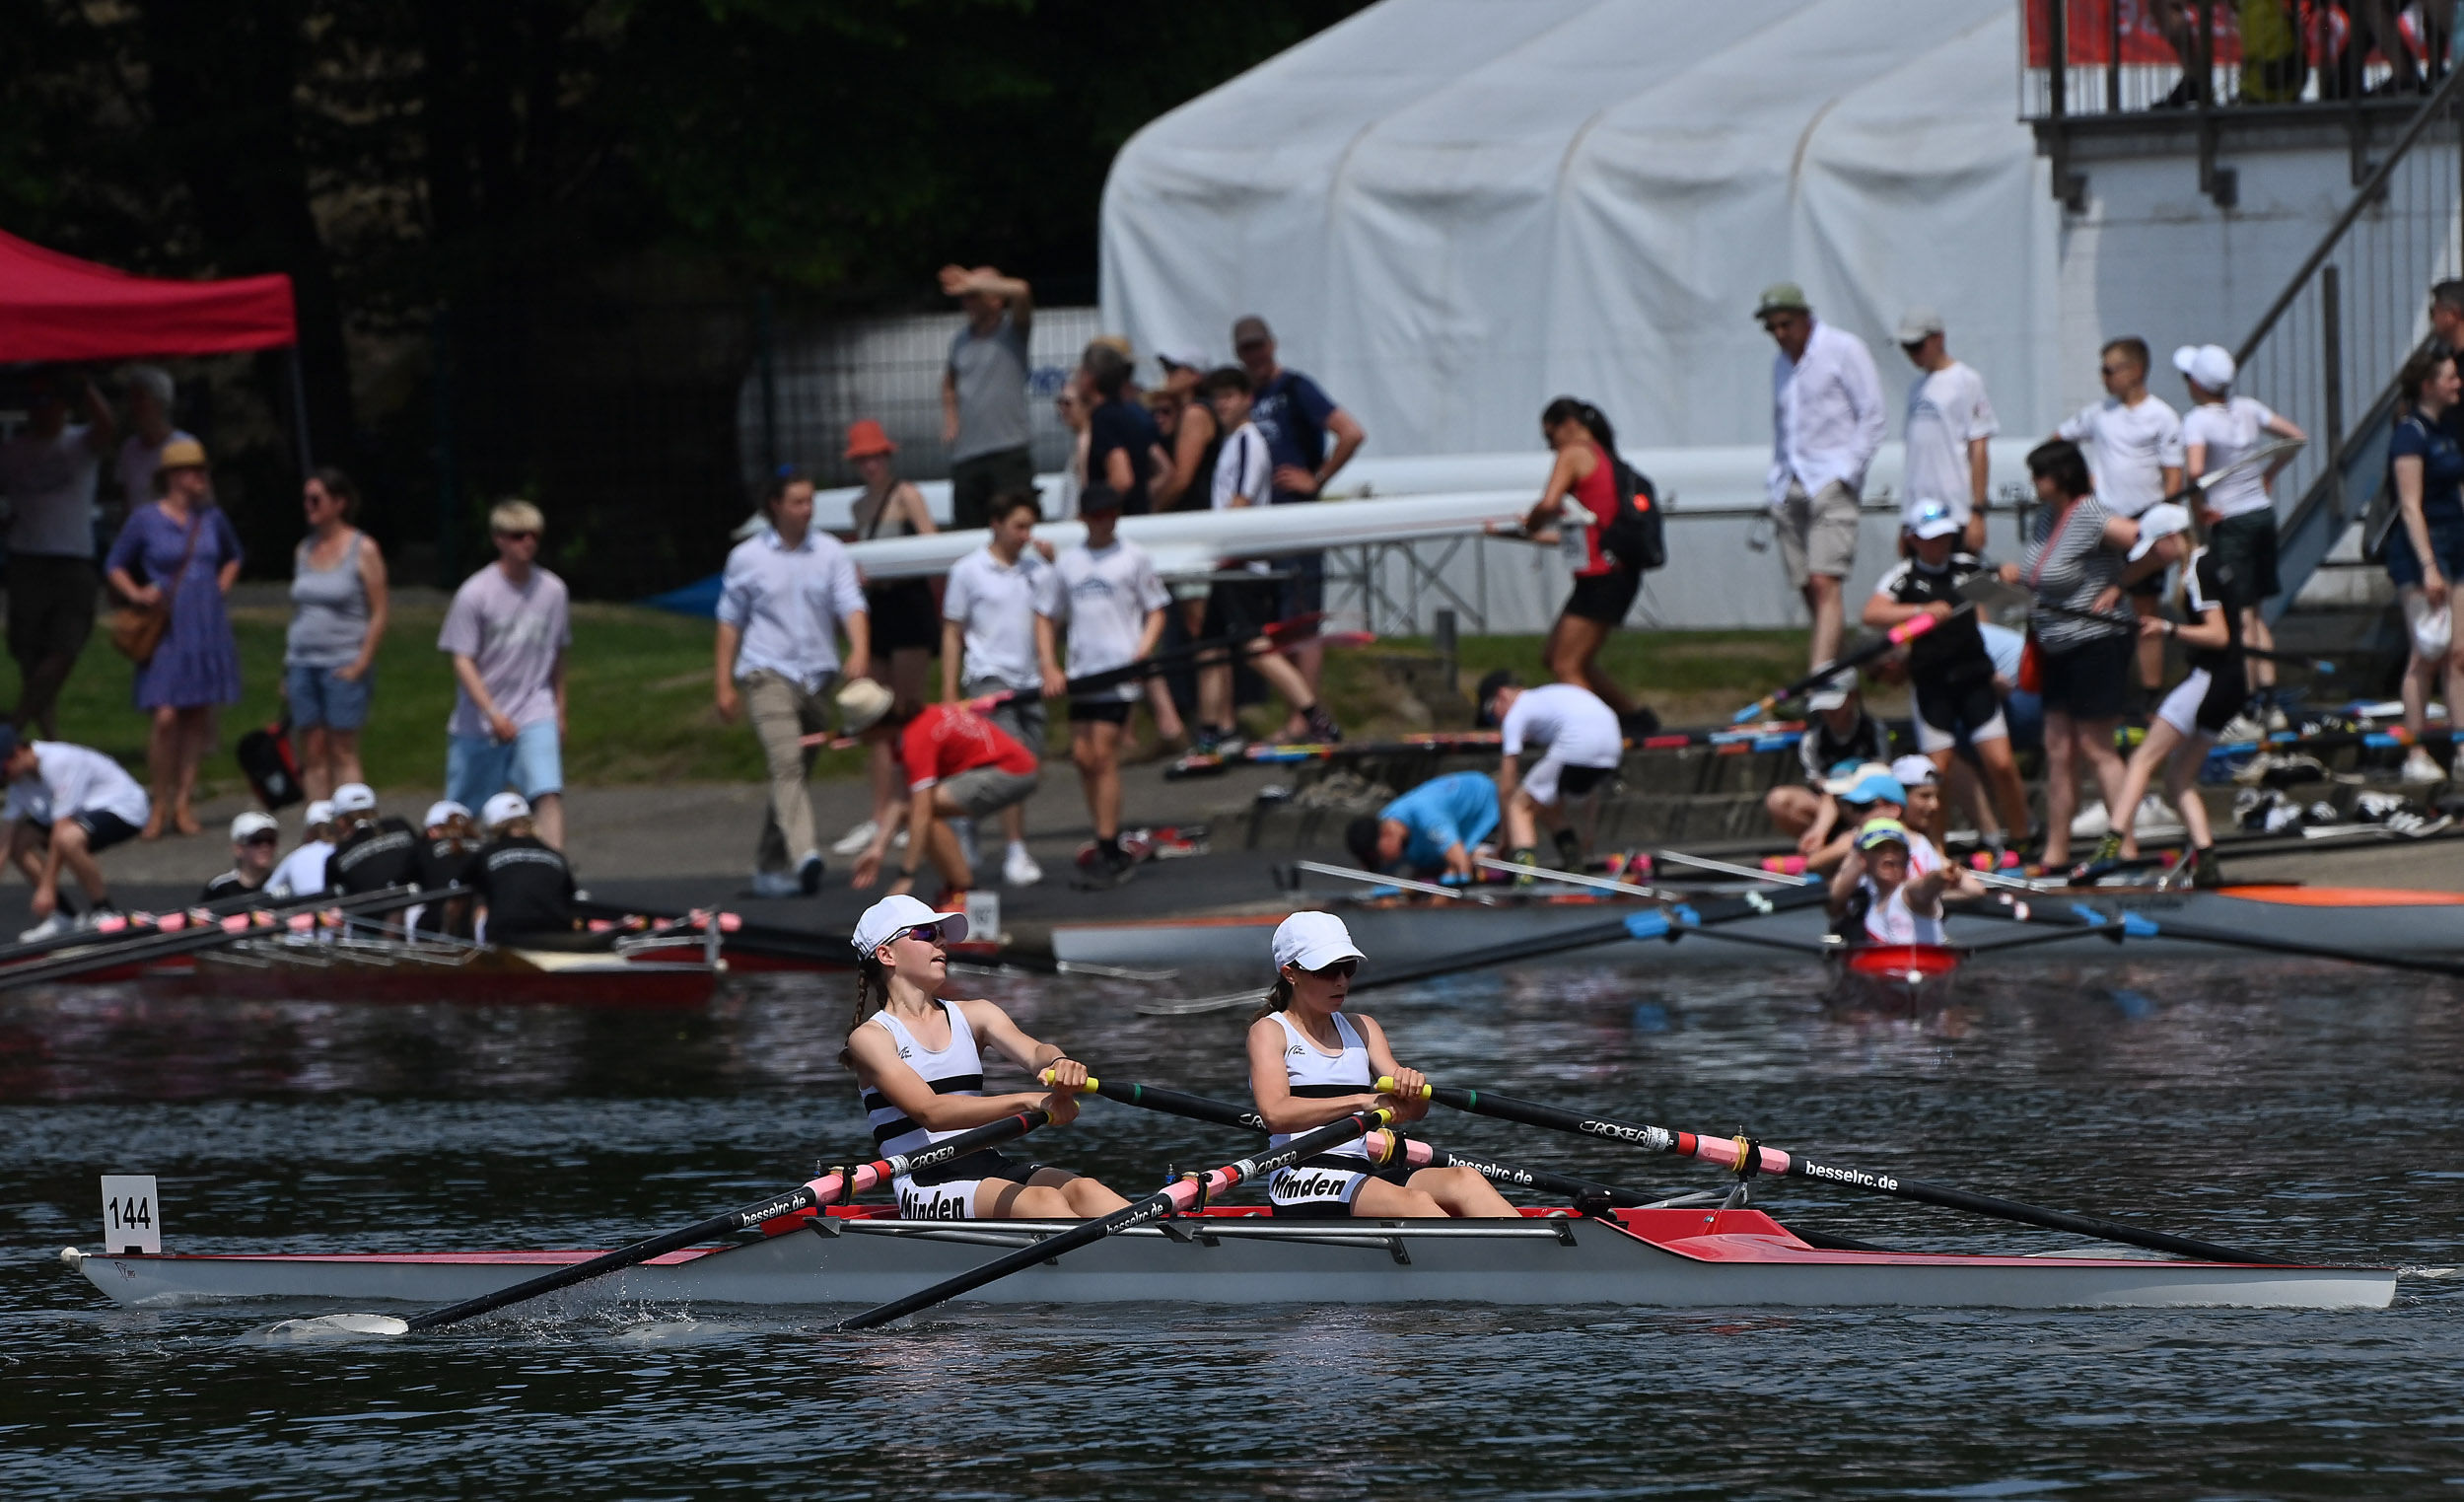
(1826, 424)
(983, 391)
(524, 886)
(256, 842)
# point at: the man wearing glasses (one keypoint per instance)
(2133, 443)
(256, 840)
(506, 631)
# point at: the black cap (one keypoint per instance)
(1099, 497)
(1360, 836)
(1501, 678)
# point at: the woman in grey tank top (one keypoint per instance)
(2077, 561)
(337, 619)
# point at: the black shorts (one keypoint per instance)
(1605, 596)
(903, 615)
(104, 830)
(1242, 609)
(1579, 781)
(1397, 1173)
(984, 1162)
(1102, 711)
(1945, 710)
(51, 605)
(2245, 546)
(2090, 680)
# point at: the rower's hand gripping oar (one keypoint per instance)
(1899, 635)
(1744, 1156)
(835, 1185)
(1415, 1153)
(1184, 1193)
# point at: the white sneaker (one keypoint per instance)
(2091, 821)
(2421, 766)
(854, 840)
(1018, 869)
(2276, 720)
(2156, 818)
(54, 924)
(2241, 730)
(776, 883)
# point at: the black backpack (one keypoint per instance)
(1637, 536)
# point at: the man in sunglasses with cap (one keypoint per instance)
(256, 841)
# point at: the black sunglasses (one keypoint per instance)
(930, 932)
(1346, 969)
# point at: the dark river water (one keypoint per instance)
(2308, 1110)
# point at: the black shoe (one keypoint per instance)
(1322, 725)
(2204, 870)
(1110, 868)
(1569, 850)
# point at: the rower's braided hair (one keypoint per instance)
(1278, 999)
(871, 994)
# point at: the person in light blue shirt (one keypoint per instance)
(1431, 830)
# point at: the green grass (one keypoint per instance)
(638, 690)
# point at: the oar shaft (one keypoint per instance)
(1737, 1155)
(1177, 1196)
(804, 1196)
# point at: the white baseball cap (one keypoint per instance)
(441, 810)
(252, 823)
(889, 917)
(2157, 522)
(1314, 941)
(1913, 770)
(1917, 322)
(2210, 365)
(1933, 518)
(1826, 698)
(355, 798)
(319, 811)
(504, 809)
(1183, 357)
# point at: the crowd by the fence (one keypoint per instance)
(2280, 51)
(1017, 624)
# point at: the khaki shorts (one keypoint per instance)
(1818, 533)
(988, 790)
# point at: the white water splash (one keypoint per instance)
(330, 1327)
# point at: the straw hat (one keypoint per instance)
(181, 453)
(860, 705)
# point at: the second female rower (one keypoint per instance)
(919, 1065)
(1312, 1063)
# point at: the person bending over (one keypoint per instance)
(67, 804)
(1434, 831)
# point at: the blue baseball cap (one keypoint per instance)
(1876, 787)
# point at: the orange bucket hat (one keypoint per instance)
(866, 437)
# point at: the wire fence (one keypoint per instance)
(2091, 58)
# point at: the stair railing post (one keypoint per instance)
(2332, 392)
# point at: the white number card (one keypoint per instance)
(132, 1219)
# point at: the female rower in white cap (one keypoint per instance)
(920, 1067)
(1312, 1063)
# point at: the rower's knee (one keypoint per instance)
(1088, 1198)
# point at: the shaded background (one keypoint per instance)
(534, 241)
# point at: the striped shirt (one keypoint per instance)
(2068, 564)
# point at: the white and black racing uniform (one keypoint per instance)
(1325, 1185)
(2203, 703)
(1950, 674)
(1890, 920)
(945, 1191)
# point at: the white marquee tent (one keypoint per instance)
(1452, 210)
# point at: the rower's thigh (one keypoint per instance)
(1001, 1199)
(1381, 1200)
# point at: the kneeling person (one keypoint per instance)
(919, 1069)
(67, 804)
(1310, 1063)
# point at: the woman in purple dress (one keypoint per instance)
(196, 666)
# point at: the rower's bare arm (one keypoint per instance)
(1924, 892)
(1884, 613)
(1278, 1106)
(1407, 1101)
(993, 1026)
(878, 1063)
(1844, 880)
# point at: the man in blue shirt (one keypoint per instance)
(1297, 417)
(1431, 830)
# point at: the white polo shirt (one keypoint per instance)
(994, 602)
(787, 602)
(1102, 598)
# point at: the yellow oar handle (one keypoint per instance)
(1087, 1088)
(1387, 1086)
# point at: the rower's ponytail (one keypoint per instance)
(871, 994)
(1278, 999)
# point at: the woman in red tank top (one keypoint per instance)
(1586, 476)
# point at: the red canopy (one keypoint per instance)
(55, 306)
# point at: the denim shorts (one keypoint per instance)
(318, 698)
(479, 767)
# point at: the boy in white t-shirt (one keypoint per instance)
(2221, 430)
(1580, 744)
(2133, 442)
(1106, 593)
(1242, 609)
(988, 646)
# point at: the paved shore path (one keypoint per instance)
(665, 848)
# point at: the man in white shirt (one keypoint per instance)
(2133, 443)
(2220, 431)
(47, 473)
(1106, 593)
(302, 873)
(1580, 744)
(988, 645)
(1826, 425)
(783, 598)
(1949, 431)
(67, 804)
